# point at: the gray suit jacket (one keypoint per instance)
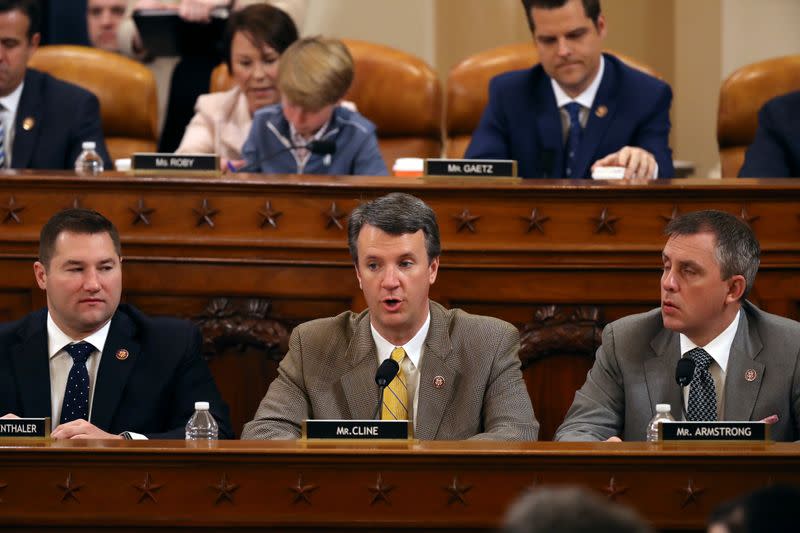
(634, 370)
(329, 373)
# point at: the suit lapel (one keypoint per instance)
(433, 401)
(358, 383)
(32, 368)
(113, 373)
(600, 117)
(740, 394)
(28, 112)
(548, 126)
(660, 372)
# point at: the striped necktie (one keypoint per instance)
(395, 396)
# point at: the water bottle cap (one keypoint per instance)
(663, 408)
(88, 145)
(201, 406)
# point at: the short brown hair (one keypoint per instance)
(315, 72)
(261, 24)
(80, 221)
(590, 7)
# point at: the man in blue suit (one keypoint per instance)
(43, 120)
(579, 108)
(775, 152)
(99, 369)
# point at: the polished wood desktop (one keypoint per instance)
(248, 257)
(428, 486)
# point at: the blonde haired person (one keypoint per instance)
(310, 132)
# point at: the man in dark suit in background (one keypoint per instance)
(775, 152)
(43, 120)
(101, 369)
(579, 108)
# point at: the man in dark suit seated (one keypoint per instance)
(101, 368)
(775, 152)
(579, 108)
(747, 362)
(43, 120)
(459, 374)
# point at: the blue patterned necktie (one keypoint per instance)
(702, 393)
(573, 139)
(76, 395)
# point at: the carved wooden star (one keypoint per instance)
(69, 489)
(141, 213)
(535, 221)
(224, 489)
(333, 215)
(691, 493)
(269, 215)
(12, 210)
(457, 492)
(148, 489)
(2, 486)
(466, 220)
(302, 491)
(606, 222)
(205, 214)
(744, 215)
(671, 217)
(380, 491)
(613, 490)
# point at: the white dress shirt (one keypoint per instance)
(61, 363)
(8, 115)
(411, 363)
(720, 351)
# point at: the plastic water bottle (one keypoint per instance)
(662, 414)
(202, 425)
(89, 162)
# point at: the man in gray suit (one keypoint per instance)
(460, 373)
(746, 359)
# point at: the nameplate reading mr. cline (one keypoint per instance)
(24, 427)
(152, 163)
(713, 431)
(470, 167)
(356, 429)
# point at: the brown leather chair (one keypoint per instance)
(468, 88)
(400, 93)
(125, 88)
(741, 97)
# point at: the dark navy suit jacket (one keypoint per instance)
(151, 392)
(522, 121)
(775, 152)
(59, 117)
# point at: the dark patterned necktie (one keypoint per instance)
(76, 395)
(702, 393)
(573, 139)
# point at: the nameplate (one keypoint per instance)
(356, 429)
(713, 431)
(24, 427)
(471, 168)
(152, 163)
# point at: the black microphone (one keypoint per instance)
(385, 374)
(684, 371)
(315, 147)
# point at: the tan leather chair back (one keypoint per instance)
(400, 93)
(468, 88)
(125, 88)
(741, 97)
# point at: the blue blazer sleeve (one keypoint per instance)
(653, 135)
(775, 152)
(368, 160)
(490, 139)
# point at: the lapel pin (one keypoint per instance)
(28, 123)
(122, 354)
(601, 111)
(438, 382)
(750, 375)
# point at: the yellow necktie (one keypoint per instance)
(395, 396)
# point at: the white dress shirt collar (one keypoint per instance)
(11, 101)
(57, 339)
(586, 98)
(719, 348)
(413, 347)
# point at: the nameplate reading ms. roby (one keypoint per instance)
(195, 164)
(471, 168)
(356, 429)
(713, 431)
(30, 428)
